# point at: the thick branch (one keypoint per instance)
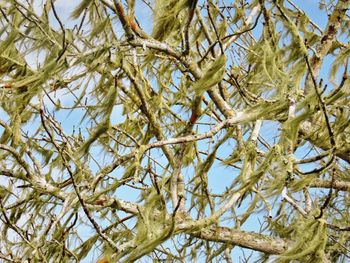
(257, 242)
(329, 36)
(339, 185)
(307, 130)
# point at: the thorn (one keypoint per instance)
(321, 82)
(345, 74)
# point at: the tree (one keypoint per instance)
(176, 130)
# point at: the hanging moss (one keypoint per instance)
(212, 76)
(310, 239)
(168, 18)
(98, 131)
(153, 227)
(80, 8)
